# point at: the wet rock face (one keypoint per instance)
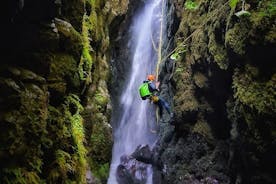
(134, 168)
(131, 171)
(143, 154)
(222, 129)
(54, 101)
(188, 160)
(39, 112)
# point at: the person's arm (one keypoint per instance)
(153, 87)
(157, 85)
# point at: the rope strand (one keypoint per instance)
(193, 33)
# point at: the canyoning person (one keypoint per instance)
(149, 90)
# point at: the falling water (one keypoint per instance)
(138, 117)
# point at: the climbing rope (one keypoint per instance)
(160, 43)
(159, 53)
(160, 59)
(152, 41)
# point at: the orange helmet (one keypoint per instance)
(151, 77)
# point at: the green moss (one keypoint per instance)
(202, 127)
(63, 68)
(100, 33)
(20, 176)
(65, 125)
(101, 143)
(86, 61)
(178, 53)
(22, 155)
(267, 8)
(100, 149)
(100, 99)
(97, 4)
(78, 135)
(101, 171)
(63, 166)
(97, 20)
(179, 70)
(190, 5)
(72, 38)
(235, 38)
(184, 98)
(43, 143)
(219, 52)
(200, 80)
(259, 95)
(271, 8)
(233, 3)
(270, 37)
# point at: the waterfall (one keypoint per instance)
(138, 116)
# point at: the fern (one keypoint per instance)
(191, 5)
(233, 4)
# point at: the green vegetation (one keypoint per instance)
(63, 69)
(100, 149)
(20, 176)
(190, 5)
(235, 38)
(202, 127)
(78, 135)
(219, 52)
(44, 133)
(66, 126)
(95, 32)
(267, 8)
(101, 171)
(233, 4)
(15, 133)
(178, 53)
(200, 80)
(86, 61)
(271, 9)
(255, 94)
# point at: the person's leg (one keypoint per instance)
(164, 104)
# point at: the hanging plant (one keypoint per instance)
(233, 4)
(243, 12)
(190, 5)
(178, 53)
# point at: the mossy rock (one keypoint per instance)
(253, 93)
(236, 38)
(26, 75)
(20, 175)
(73, 10)
(200, 80)
(100, 150)
(202, 127)
(32, 110)
(70, 37)
(218, 52)
(63, 73)
(101, 140)
(65, 127)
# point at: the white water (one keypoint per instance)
(138, 116)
